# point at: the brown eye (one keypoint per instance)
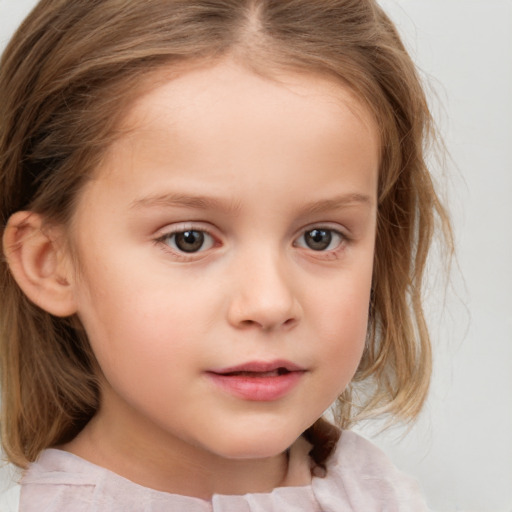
(320, 239)
(190, 241)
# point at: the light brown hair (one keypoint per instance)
(67, 77)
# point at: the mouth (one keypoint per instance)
(260, 368)
(272, 373)
(258, 381)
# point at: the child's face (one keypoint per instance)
(230, 229)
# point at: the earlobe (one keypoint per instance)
(39, 264)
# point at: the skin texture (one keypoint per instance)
(254, 163)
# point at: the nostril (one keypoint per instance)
(248, 323)
(263, 311)
(289, 322)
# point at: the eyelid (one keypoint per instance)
(180, 227)
(325, 226)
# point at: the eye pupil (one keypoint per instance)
(189, 241)
(318, 239)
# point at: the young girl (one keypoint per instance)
(215, 219)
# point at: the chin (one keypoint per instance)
(258, 446)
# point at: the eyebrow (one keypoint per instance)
(212, 203)
(186, 201)
(338, 202)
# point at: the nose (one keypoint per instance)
(263, 295)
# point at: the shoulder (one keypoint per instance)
(360, 474)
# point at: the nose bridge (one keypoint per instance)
(263, 291)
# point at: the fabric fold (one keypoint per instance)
(359, 477)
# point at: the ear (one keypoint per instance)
(39, 263)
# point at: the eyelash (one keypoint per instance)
(170, 236)
(334, 236)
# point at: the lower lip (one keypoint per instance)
(258, 389)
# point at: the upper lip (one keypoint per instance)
(259, 367)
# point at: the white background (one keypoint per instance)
(461, 448)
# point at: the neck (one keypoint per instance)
(153, 458)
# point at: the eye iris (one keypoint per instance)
(318, 239)
(189, 241)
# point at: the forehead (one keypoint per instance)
(226, 91)
(211, 122)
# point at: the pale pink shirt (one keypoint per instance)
(359, 478)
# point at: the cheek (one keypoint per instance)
(143, 325)
(343, 311)
(134, 326)
(345, 344)
(141, 350)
